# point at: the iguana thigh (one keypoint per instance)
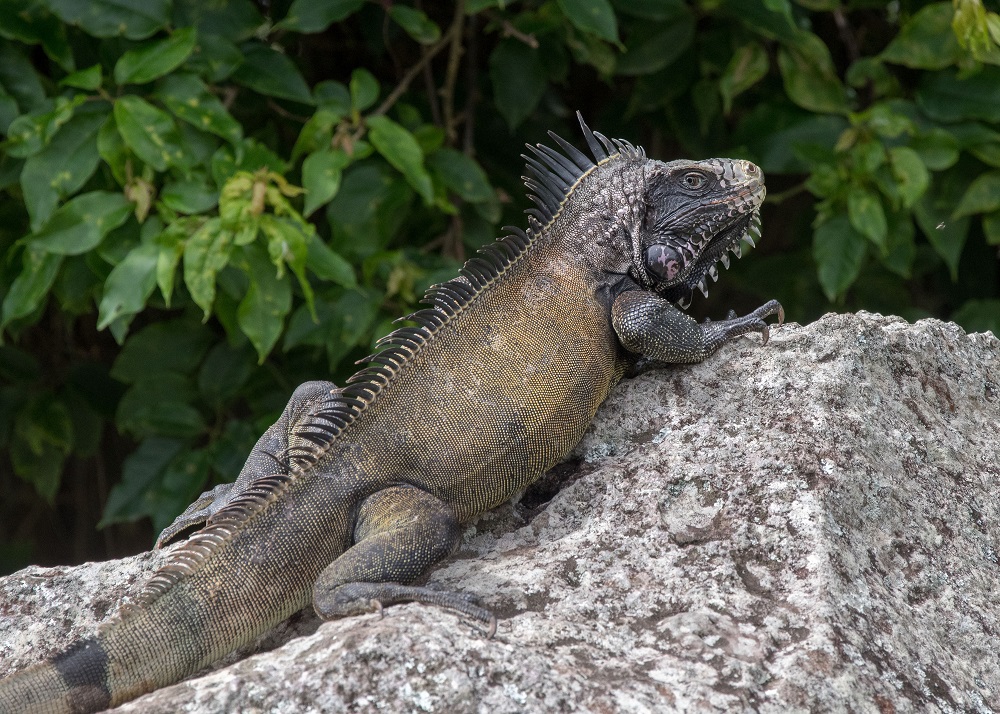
(401, 533)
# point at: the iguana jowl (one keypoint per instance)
(357, 491)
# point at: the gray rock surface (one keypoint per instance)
(809, 526)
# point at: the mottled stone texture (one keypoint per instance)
(809, 526)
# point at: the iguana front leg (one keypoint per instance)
(401, 533)
(260, 462)
(653, 327)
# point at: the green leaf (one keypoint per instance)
(19, 79)
(926, 40)
(31, 22)
(160, 405)
(809, 75)
(982, 196)
(658, 10)
(900, 246)
(518, 78)
(594, 16)
(224, 372)
(30, 133)
(949, 97)
(401, 150)
(769, 19)
(885, 120)
(309, 16)
(653, 46)
(214, 58)
(364, 89)
(63, 167)
(991, 228)
(31, 285)
(170, 346)
(205, 254)
(317, 132)
(333, 97)
(171, 242)
(190, 196)
(328, 265)
(262, 311)
(129, 285)
(286, 243)
(748, 66)
(462, 175)
(155, 59)
(839, 251)
(416, 24)
(112, 149)
(979, 316)
(864, 209)
(269, 72)
(140, 473)
(934, 211)
(321, 172)
(149, 132)
(368, 210)
(42, 439)
(911, 175)
(80, 224)
(133, 19)
(88, 79)
(938, 149)
(189, 99)
(248, 155)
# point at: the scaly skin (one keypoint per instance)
(356, 492)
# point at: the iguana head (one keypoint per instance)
(680, 217)
(696, 213)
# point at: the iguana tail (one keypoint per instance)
(73, 681)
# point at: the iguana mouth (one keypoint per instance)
(745, 227)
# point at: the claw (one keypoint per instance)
(738, 250)
(684, 303)
(725, 260)
(713, 271)
(765, 335)
(781, 315)
(749, 240)
(492, 630)
(704, 290)
(377, 606)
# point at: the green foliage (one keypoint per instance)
(207, 204)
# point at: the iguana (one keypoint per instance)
(359, 490)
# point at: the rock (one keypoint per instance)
(809, 526)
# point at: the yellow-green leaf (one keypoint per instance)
(402, 150)
(155, 59)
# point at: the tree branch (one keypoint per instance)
(451, 75)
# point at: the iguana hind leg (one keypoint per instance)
(401, 533)
(260, 462)
(655, 328)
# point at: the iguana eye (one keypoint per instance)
(694, 180)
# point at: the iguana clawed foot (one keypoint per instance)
(358, 598)
(732, 327)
